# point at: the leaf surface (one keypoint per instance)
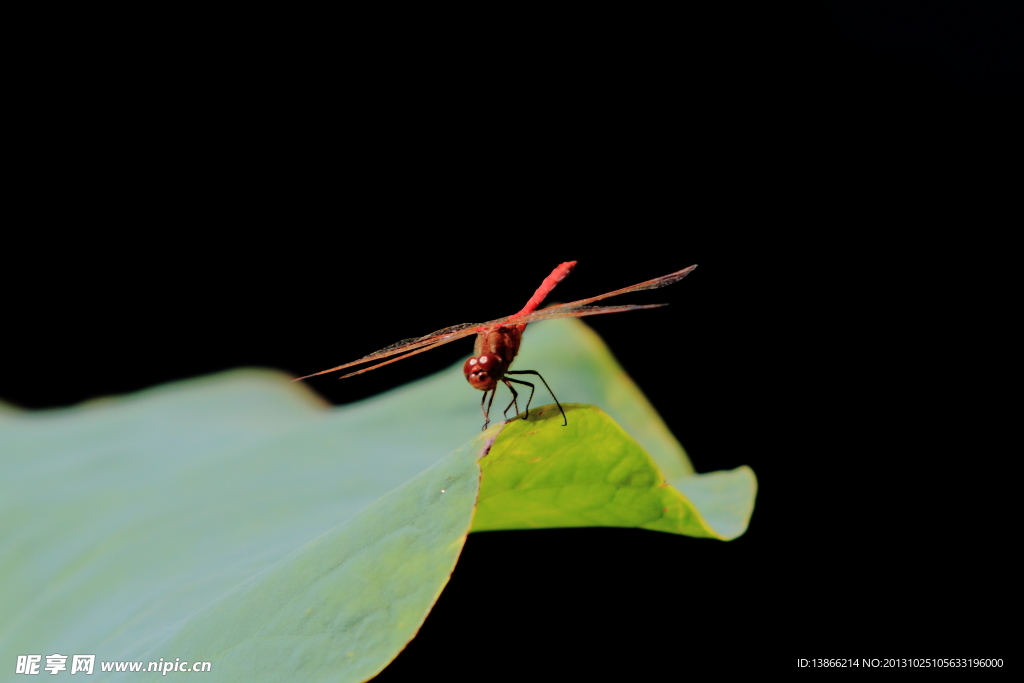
(590, 472)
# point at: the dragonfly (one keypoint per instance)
(498, 341)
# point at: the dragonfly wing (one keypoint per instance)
(448, 334)
(656, 283)
(579, 312)
(580, 309)
(411, 353)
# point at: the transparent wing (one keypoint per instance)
(579, 312)
(414, 344)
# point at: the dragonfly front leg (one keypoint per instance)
(487, 410)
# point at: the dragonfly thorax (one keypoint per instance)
(483, 372)
(494, 351)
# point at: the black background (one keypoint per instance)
(297, 195)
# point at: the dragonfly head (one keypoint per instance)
(483, 372)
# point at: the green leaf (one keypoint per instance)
(592, 473)
(220, 505)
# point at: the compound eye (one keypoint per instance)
(485, 363)
(483, 372)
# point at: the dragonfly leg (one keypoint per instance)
(514, 397)
(532, 389)
(534, 372)
(487, 410)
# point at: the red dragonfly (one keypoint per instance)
(497, 341)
